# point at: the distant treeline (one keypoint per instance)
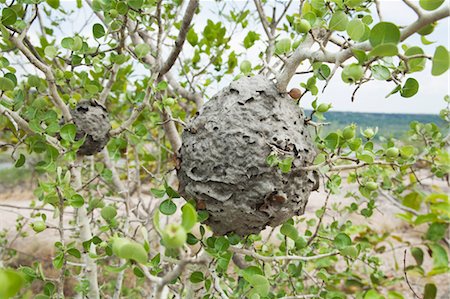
(389, 125)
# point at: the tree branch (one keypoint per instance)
(188, 15)
(280, 258)
(57, 100)
(302, 52)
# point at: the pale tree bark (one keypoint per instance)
(90, 270)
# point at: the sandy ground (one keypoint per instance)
(41, 246)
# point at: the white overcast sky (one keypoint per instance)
(370, 97)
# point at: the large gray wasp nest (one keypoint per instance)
(91, 119)
(223, 158)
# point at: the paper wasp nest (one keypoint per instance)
(223, 158)
(91, 119)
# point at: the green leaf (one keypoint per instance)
(373, 294)
(425, 41)
(9, 16)
(12, 282)
(221, 244)
(259, 283)
(58, 261)
(394, 295)
(384, 33)
(285, 165)
(98, 30)
(342, 240)
(430, 4)
(289, 231)
(68, 132)
(415, 64)
(188, 217)
(6, 84)
(162, 85)
(338, 21)
(250, 39)
(167, 207)
(384, 50)
(417, 253)
(50, 52)
(350, 251)
(76, 201)
(413, 200)
(196, 277)
(332, 141)
(77, 43)
(132, 250)
(410, 88)
(192, 37)
(380, 72)
(108, 212)
(67, 43)
(430, 291)
(436, 231)
(135, 4)
(356, 29)
(440, 63)
(53, 3)
(74, 252)
(158, 192)
(141, 50)
(439, 254)
(20, 161)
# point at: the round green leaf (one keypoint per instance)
(380, 72)
(67, 43)
(356, 29)
(373, 294)
(108, 212)
(441, 61)
(68, 132)
(289, 231)
(6, 84)
(259, 283)
(141, 50)
(77, 43)
(167, 207)
(283, 46)
(135, 4)
(9, 16)
(430, 4)
(384, 33)
(188, 217)
(11, 283)
(76, 201)
(196, 277)
(410, 88)
(384, 50)
(415, 64)
(246, 66)
(430, 291)
(338, 21)
(50, 52)
(53, 3)
(342, 240)
(98, 31)
(131, 250)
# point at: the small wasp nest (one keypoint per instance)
(91, 119)
(222, 162)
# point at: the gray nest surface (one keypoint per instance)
(91, 119)
(222, 162)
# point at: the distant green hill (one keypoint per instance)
(389, 125)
